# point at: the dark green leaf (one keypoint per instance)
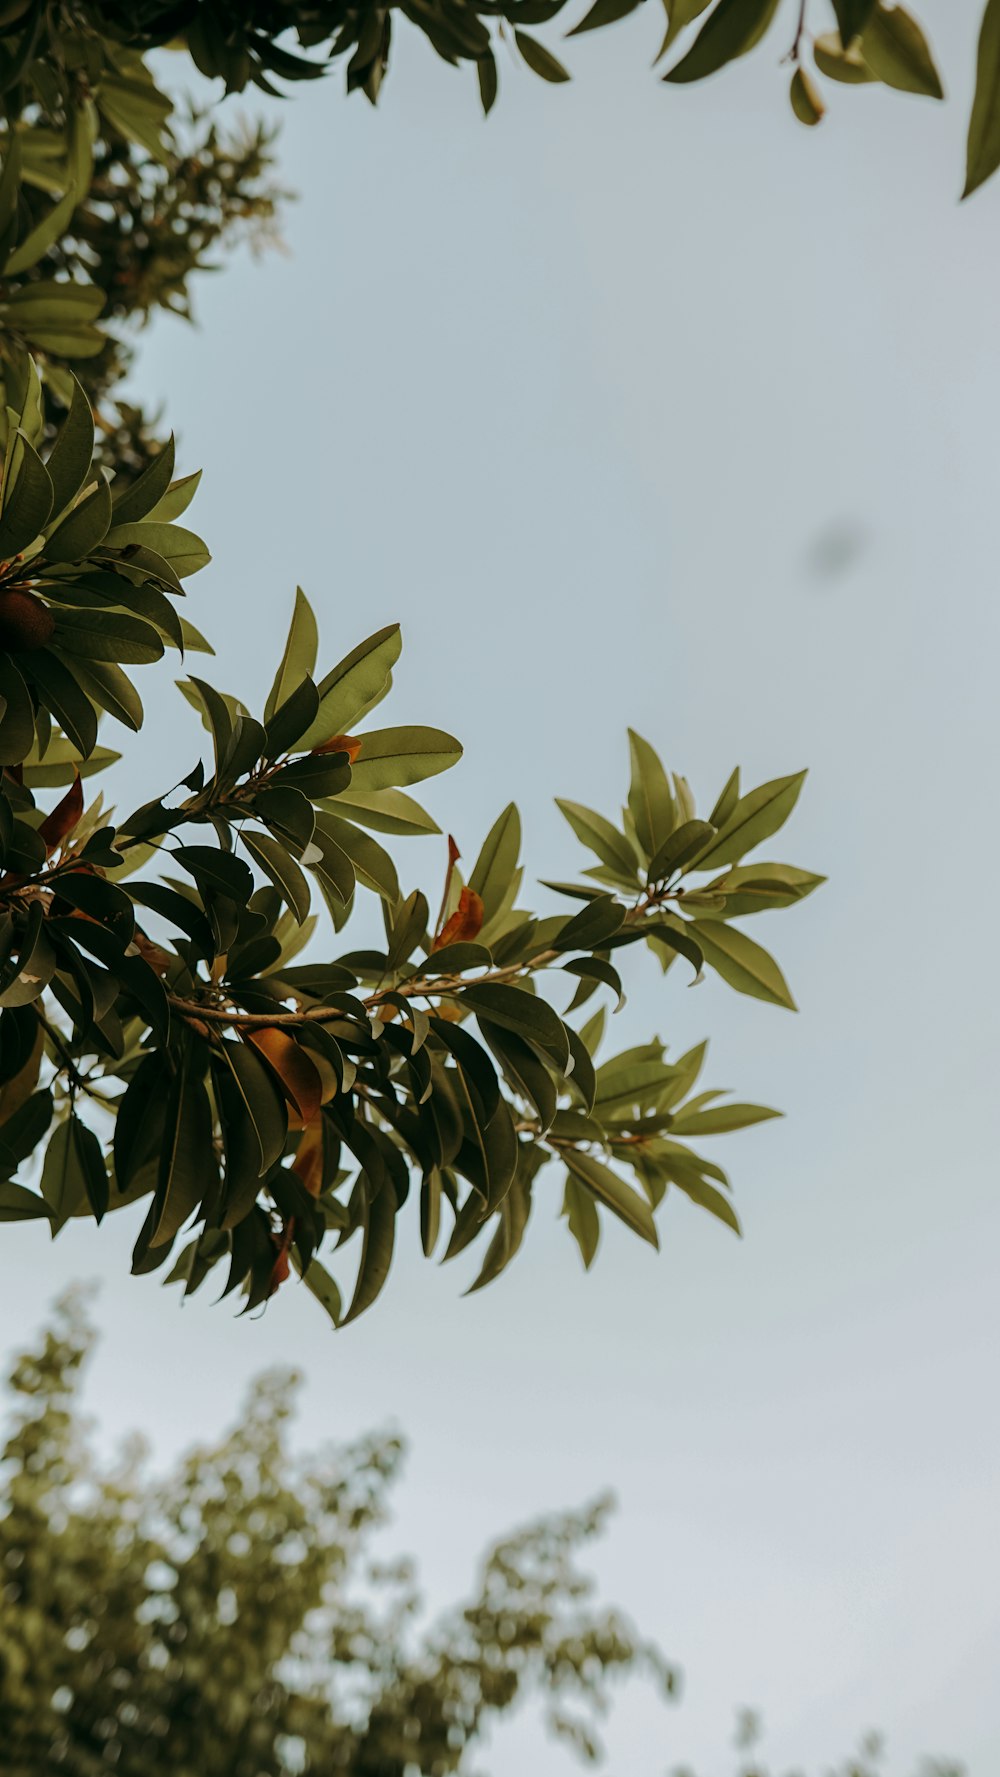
(376, 1252)
(282, 869)
(540, 60)
(613, 1192)
(983, 149)
(735, 27)
(896, 50)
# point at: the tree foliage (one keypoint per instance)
(271, 43)
(169, 1034)
(236, 1618)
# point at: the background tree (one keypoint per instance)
(235, 1617)
(150, 981)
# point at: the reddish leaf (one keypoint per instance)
(294, 1068)
(282, 1264)
(308, 1162)
(63, 818)
(465, 923)
(341, 743)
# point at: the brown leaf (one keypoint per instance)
(294, 1068)
(465, 923)
(282, 1265)
(158, 960)
(308, 1162)
(63, 818)
(341, 743)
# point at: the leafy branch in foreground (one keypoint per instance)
(832, 43)
(265, 1103)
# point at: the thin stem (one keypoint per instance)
(793, 54)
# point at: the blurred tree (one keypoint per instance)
(233, 1619)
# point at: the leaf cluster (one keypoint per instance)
(168, 1036)
(846, 42)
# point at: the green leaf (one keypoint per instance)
(707, 1197)
(846, 65)
(394, 757)
(753, 888)
(218, 872)
(983, 148)
(215, 715)
(595, 968)
(650, 798)
(720, 1119)
(592, 926)
(376, 1252)
(805, 99)
(603, 12)
(742, 963)
(497, 861)
(527, 1016)
(684, 843)
(756, 816)
(298, 661)
(262, 1104)
(187, 1163)
(896, 50)
(27, 503)
(540, 60)
(486, 69)
(24, 1131)
(386, 811)
(852, 17)
(110, 688)
(613, 1192)
(282, 869)
(290, 720)
(372, 864)
(133, 1125)
(176, 500)
(136, 501)
(602, 838)
(511, 1223)
(99, 899)
(62, 694)
(681, 13)
(108, 635)
(18, 1204)
(321, 1285)
(63, 1184)
(734, 28)
(354, 685)
(317, 775)
(90, 1166)
(526, 1075)
(584, 1222)
(17, 721)
(70, 458)
(84, 528)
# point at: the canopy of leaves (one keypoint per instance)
(272, 43)
(169, 1033)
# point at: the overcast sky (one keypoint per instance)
(643, 405)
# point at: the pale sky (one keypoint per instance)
(586, 397)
